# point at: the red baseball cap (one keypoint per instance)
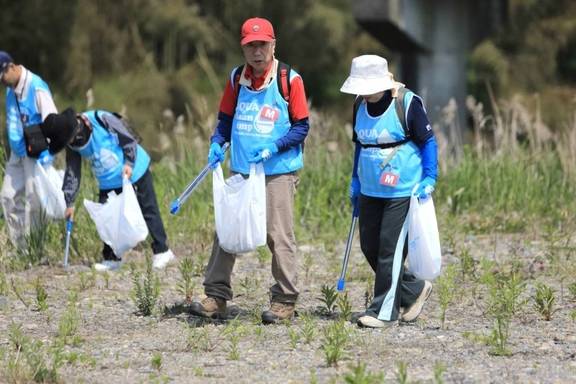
(256, 29)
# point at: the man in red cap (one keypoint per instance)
(264, 116)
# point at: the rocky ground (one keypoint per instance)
(114, 344)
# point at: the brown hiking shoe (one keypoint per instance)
(278, 312)
(411, 314)
(211, 307)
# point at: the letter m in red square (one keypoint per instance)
(269, 114)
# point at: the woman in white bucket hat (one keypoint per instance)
(395, 150)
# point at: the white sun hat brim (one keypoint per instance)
(367, 86)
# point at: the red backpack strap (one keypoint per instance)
(283, 79)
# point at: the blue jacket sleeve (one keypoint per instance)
(418, 123)
(295, 136)
(357, 150)
(429, 151)
(223, 130)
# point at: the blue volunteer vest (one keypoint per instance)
(28, 115)
(398, 177)
(262, 117)
(106, 156)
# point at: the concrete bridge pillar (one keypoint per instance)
(432, 41)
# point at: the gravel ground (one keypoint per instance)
(116, 345)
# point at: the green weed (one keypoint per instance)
(106, 276)
(294, 337)
(233, 349)
(186, 283)
(467, 264)
(199, 340)
(360, 375)
(33, 251)
(86, 280)
(313, 376)
(335, 341)
(308, 328)
(41, 362)
(402, 373)
(264, 255)
(504, 301)
(446, 287)
(42, 370)
(3, 283)
(439, 370)
(308, 263)
(234, 330)
(498, 338)
(16, 337)
(249, 285)
(572, 291)
(41, 295)
(200, 265)
(344, 306)
(329, 296)
(69, 323)
(17, 289)
(156, 361)
(544, 301)
(146, 289)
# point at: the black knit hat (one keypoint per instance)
(59, 129)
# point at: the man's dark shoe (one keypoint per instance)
(412, 313)
(210, 307)
(278, 312)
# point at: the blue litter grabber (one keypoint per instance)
(177, 203)
(69, 224)
(342, 279)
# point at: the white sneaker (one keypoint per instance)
(108, 265)
(160, 260)
(412, 313)
(372, 322)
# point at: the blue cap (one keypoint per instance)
(5, 59)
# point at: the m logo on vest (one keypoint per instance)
(389, 179)
(266, 118)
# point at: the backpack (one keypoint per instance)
(124, 121)
(399, 105)
(282, 79)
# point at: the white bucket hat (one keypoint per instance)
(368, 75)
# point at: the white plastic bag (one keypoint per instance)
(48, 182)
(240, 209)
(424, 254)
(119, 221)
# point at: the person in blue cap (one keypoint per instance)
(114, 153)
(28, 102)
